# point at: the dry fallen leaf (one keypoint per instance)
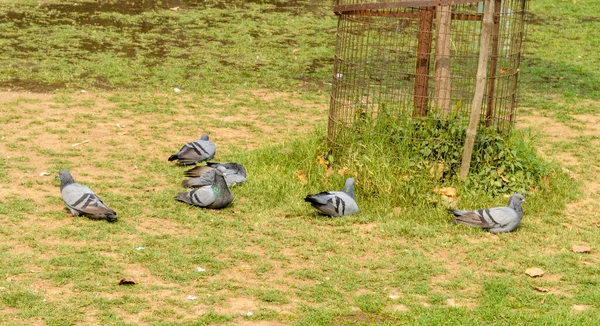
(45, 174)
(437, 171)
(322, 162)
(301, 176)
(582, 249)
(342, 171)
(127, 281)
(500, 171)
(534, 272)
(543, 300)
(448, 191)
(174, 8)
(540, 289)
(329, 172)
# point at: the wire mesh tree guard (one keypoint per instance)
(409, 70)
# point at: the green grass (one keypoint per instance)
(559, 78)
(399, 261)
(107, 46)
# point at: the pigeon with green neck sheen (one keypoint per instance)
(215, 196)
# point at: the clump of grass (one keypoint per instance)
(426, 152)
(385, 179)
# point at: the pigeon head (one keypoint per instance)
(349, 187)
(220, 170)
(204, 137)
(65, 178)
(516, 199)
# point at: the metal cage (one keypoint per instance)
(400, 62)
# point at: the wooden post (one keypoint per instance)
(493, 64)
(484, 44)
(518, 62)
(423, 58)
(442, 59)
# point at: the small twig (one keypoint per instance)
(83, 142)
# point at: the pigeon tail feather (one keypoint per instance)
(318, 199)
(184, 197)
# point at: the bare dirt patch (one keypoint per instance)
(584, 125)
(66, 126)
(79, 131)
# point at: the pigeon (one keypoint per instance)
(235, 173)
(81, 200)
(335, 203)
(197, 151)
(494, 220)
(214, 196)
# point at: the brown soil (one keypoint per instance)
(38, 128)
(45, 123)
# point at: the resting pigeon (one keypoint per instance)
(235, 173)
(495, 220)
(81, 200)
(196, 151)
(214, 196)
(335, 203)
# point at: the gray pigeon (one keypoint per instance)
(335, 203)
(235, 173)
(197, 151)
(214, 196)
(81, 200)
(495, 220)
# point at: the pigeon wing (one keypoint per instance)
(333, 203)
(197, 151)
(202, 197)
(198, 171)
(82, 200)
(234, 179)
(201, 181)
(496, 217)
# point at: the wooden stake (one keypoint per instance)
(493, 64)
(484, 44)
(442, 59)
(423, 59)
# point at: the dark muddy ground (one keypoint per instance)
(190, 44)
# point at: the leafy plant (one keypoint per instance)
(433, 145)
